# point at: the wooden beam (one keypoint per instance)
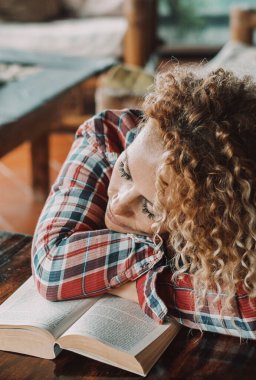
(141, 34)
(242, 24)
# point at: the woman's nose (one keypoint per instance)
(122, 202)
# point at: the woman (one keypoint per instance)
(166, 219)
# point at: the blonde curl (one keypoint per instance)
(206, 184)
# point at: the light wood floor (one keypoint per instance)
(18, 210)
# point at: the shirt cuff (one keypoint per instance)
(150, 301)
(144, 255)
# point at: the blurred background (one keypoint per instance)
(139, 36)
(187, 25)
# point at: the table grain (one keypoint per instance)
(189, 357)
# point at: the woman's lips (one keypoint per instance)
(126, 228)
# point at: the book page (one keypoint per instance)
(26, 307)
(118, 323)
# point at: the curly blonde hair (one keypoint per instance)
(206, 185)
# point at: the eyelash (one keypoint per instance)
(123, 172)
(146, 211)
(128, 177)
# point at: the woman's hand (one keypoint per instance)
(127, 291)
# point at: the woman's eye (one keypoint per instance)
(146, 211)
(123, 171)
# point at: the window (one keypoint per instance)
(194, 23)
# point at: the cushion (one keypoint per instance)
(93, 37)
(94, 8)
(29, 10)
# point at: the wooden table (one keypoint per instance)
(30, 107)
(214, 357)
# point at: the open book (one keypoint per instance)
(109, 329)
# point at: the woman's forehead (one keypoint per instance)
(148, 142)
(144, 157)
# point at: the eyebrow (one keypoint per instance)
(129, 172)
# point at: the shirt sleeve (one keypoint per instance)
(160, 298)
(73, 254)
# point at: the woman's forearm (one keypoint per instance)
(127, 291)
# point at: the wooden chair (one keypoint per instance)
(139, 44)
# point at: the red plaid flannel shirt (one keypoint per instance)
(75, 256)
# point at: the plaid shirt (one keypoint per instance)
(75, 256)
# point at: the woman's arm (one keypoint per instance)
(177, 300)
(73, 255)
(127, 291)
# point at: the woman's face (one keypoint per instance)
(132, 187)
